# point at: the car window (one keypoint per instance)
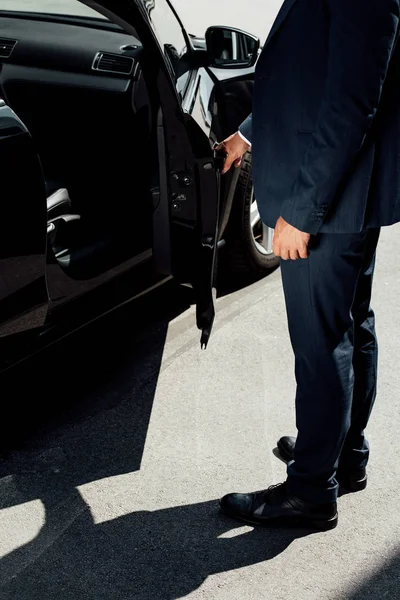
(63, 7)
(171, 39)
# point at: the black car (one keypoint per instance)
(109, 182)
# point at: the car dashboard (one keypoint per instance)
(67, 44)
(77, 85)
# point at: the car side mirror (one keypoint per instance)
(230, 48)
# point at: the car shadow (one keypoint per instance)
(81, 412)
(228, 284)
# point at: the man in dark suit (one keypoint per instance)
(325, 137)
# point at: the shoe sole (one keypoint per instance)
(348, 487)
(287, 522)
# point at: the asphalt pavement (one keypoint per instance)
(123, 438)
(127, 434)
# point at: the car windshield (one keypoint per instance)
(57, 7)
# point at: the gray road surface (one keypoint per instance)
(127, 438)
(112, 493)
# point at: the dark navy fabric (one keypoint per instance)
(332, 330)
(325, 127)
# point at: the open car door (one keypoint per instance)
(186, 187)
(186, 203)
(23, 290)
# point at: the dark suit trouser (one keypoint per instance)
(332, 330)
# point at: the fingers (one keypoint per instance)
(290, 243)
(229, 161)
(276, 248)
(303, 252)
(288, 252)
(227, 164)
(284, 254)
(234, 147)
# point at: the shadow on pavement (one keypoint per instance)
(165, 554)
(111, 364)
(80, 414)
(228, 284)
(385, 583)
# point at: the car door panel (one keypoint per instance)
(186, 217)
(219, 104)
(23, 290)
(186, 192)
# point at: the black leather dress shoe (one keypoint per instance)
(348, 482)
(277, 507)
(286, 447)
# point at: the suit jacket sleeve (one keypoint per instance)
(246, 128)
(362, 35)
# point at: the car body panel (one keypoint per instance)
(187, 197)
(189, 119)
(23, 290)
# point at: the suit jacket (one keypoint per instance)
(325, 128)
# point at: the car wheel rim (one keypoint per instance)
(261, 234)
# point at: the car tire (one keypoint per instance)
(248, 241)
